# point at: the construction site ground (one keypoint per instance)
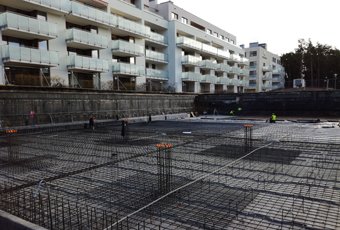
(221, 174)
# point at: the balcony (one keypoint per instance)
(157, 74)
(243, 83)
(191, 76)
(234, 70)
(223, 53)
(278, 71)
(208, 79)
(209, 49)
(266, 87)
(132, 28)
(208, 64)
(223, 68)
(243, 72)
(85, 40)
(126, 49)
(189, 60)
(13, 55)
(222, 80)
(56, 6)
(25, 27)
(267, 78)
(127, 69)
(157, 38)
(155, 56)
(234, 82)
(86, 64)
(276, 79)
(192, 44)
(189, 43)
(102, 4)
(235, 58)
(266, 69)
(244, 61)
(84, 15)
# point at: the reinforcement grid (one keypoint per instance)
(68, 178)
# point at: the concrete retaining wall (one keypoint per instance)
(56, 107)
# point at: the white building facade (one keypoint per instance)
(134, 45)
(265, 70)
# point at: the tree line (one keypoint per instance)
(318, 64)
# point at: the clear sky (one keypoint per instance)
(279, 23)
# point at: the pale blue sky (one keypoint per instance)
(279, 23)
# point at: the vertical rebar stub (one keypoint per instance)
(164, 159)
(248, 137)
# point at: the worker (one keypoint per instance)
(273, 118)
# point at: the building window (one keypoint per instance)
(274, 60)
(215, 34)
(174, 16)
(252, 53)
(252, 72)
(222, 37)
(252, 63)
(185, 20)
(209, 31)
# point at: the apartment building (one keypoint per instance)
(136, 45)
(265, 70)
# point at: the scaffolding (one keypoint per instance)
(70, 178)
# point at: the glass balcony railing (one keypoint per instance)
(120, 46)
(224, 68)
(209, 78)
(87, 64)
(156, 56)
(191, 60)
(243, 83)
(243, 72)
(154, 73)
(191, 76)
(234, 70)
(223, 53)
(222, 80)
(93, 14)
(24, 24)
(193, 44)
(157, 37)
(209, 49)
(128, 69)
(278, 71)
(96, 3)
(133, 27)
(208, 64)
(267, 87)
(244, 61)
(86, 38)
(58, 5)
(235, 57)
(25, 55)
(187, 42)
(267, 78)
(267, 69)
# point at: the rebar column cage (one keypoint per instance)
(13, 154)
(248, 137)
(164, 163)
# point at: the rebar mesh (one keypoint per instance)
(71, 178)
